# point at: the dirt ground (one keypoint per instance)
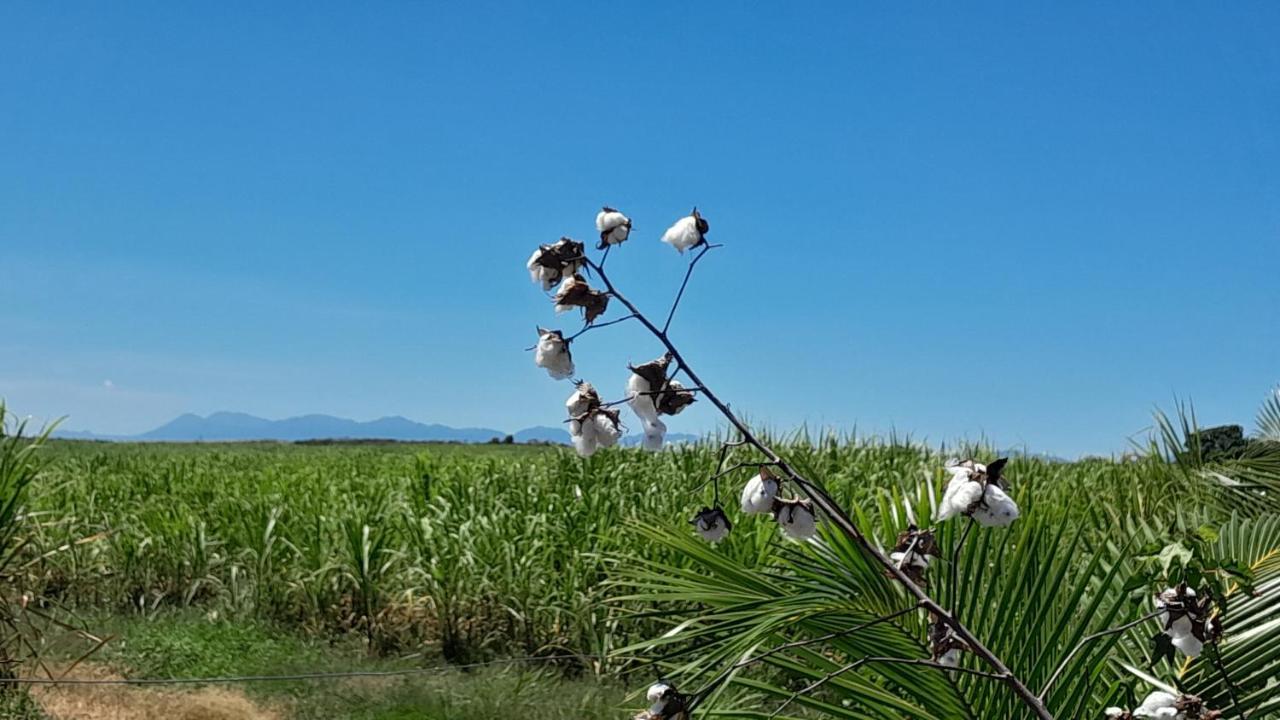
(117, 702)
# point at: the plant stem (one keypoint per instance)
(832, 510)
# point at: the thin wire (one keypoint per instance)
(232, 679)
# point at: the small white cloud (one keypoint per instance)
(108, 384)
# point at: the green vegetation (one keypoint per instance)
(268, 558)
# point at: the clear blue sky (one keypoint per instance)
(1028, 221)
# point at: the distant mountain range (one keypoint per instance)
(225, 426)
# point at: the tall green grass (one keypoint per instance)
(470, 553)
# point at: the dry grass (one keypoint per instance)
(115, 702)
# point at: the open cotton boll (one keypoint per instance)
(759, 493)
(613, 226)
(687, 232)
(1158, 704)
(607, 428)
(997, 509)
(796, 519)
(551, 263)
(674, 399)
(552, 354)
(665, 703)
(961, 494)
(712, 524)
(655, 434)
(540, 274)
(584, 437)
(584, 398)
(1189, 644)
(642, 404)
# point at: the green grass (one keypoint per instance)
(186, 644)
(344, 556)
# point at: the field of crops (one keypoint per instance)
(466, 554)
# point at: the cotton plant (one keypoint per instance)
(979, 492)
(654, 393)
(1161, 704)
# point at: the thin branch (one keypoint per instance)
(593, 326)
(953, 566)
(837, 516)
(687, 273)
(883, 660)
(1231, 688)
(1088, 639)
(723, 676)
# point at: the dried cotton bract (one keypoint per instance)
(613, 226)
(759, 493)
(913, 552)
(665, 703)
(688, 232)
(575, 292)
(712, 524)
(552, 353)
(978, 491)
(550, 264)
(944, 645)
(591, 426)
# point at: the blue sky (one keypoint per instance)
(1025, 221)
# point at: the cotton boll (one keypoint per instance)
(759, 493)
(1158, 704)
(584, 398)
(539, 274)
(613, 226)
(1189, 644)
(687, 232)
(644, 405)
(1114, 712)
(666, 703)
(655, 435)
(712, 524)
(607, 428)
(796, 519)
(583, 436)
(552, 354)
(961, 494)
(997, 508)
